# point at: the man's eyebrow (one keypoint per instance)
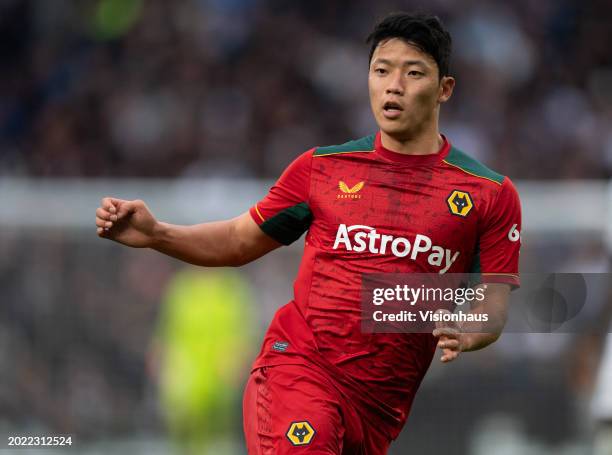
(415, 62)
(405, 63)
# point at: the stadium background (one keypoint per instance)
(194, 106)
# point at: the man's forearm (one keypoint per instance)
(208, 244)
(476, 341)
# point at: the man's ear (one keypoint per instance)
(447, 84)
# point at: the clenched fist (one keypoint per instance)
(127, 222)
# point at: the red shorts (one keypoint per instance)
(289, 407)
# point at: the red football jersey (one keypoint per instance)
(371, 210)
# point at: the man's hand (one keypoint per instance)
(470, 336)
(450, 339)
(127, 222)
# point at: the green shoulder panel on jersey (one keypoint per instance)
(471, 166)
(288, 225)
(365, 144)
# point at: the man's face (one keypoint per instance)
(405, 91)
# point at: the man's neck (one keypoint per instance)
(423, 144)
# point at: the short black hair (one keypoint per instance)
(422, 30)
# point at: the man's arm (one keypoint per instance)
(233, 242)
(470, 336)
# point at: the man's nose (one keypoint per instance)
(396, 86)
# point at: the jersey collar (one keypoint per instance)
(402, 158)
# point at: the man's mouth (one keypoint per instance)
(391, 109)
(392, 105)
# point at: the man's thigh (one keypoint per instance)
(291, 407)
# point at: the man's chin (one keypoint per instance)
(395, 130)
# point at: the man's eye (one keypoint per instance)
(380, 71)
(414, 73)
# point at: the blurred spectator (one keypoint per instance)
(202, 350)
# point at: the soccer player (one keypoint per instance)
(401, 200)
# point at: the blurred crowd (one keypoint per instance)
(116, 88)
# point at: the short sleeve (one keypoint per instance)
(500, 238)
(284, 214)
